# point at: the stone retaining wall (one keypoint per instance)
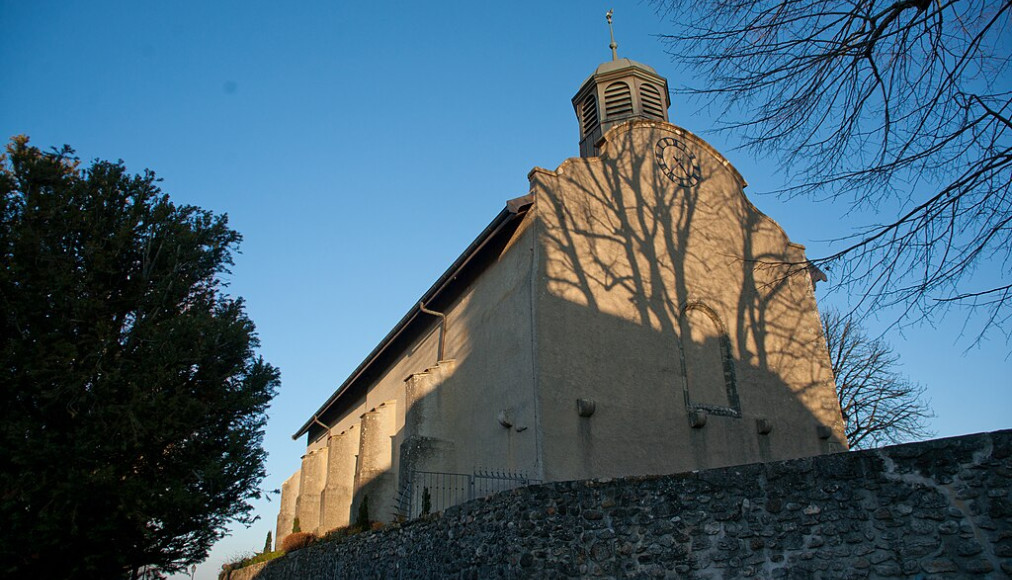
(939, 508)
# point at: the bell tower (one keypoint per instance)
(618, 91)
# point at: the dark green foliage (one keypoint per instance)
(132, 405)
(426, 501)
(268, 545)
(362, 520)
(295, 526)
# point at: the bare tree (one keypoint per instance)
(879, 404)
(901, 107)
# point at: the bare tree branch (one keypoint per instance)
(898, 107)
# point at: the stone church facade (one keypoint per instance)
(632, 314)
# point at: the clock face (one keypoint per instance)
(677, 162)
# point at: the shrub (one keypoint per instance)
(362, 521)
(297, 541)
(239, 562)
(426, 501)
(265, 557)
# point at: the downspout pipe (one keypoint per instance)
(326, 429)
(442, 327)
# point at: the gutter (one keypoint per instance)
(514, 208)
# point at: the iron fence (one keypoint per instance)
(434, 491)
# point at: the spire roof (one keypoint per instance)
(620, 90)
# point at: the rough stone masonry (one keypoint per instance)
(935, 509)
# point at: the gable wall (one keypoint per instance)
(646, 283)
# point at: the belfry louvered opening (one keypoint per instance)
(588, 114)
(653, 102)
(617, 99)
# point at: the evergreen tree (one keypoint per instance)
(426, 501)
(132, 406)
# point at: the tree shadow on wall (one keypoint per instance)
(688, 260)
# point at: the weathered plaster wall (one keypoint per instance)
(337, 496)
(286, 512)
(313, 478)
(661, 303)
(374, 476)
(436, 415)
(934, 509)
(490, 343)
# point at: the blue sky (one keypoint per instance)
(359, 147)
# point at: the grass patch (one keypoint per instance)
(249, 561)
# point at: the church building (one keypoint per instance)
(632, 314)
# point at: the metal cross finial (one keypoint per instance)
(612, 46)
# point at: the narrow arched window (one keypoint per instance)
(708, 365)
(617, 99)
